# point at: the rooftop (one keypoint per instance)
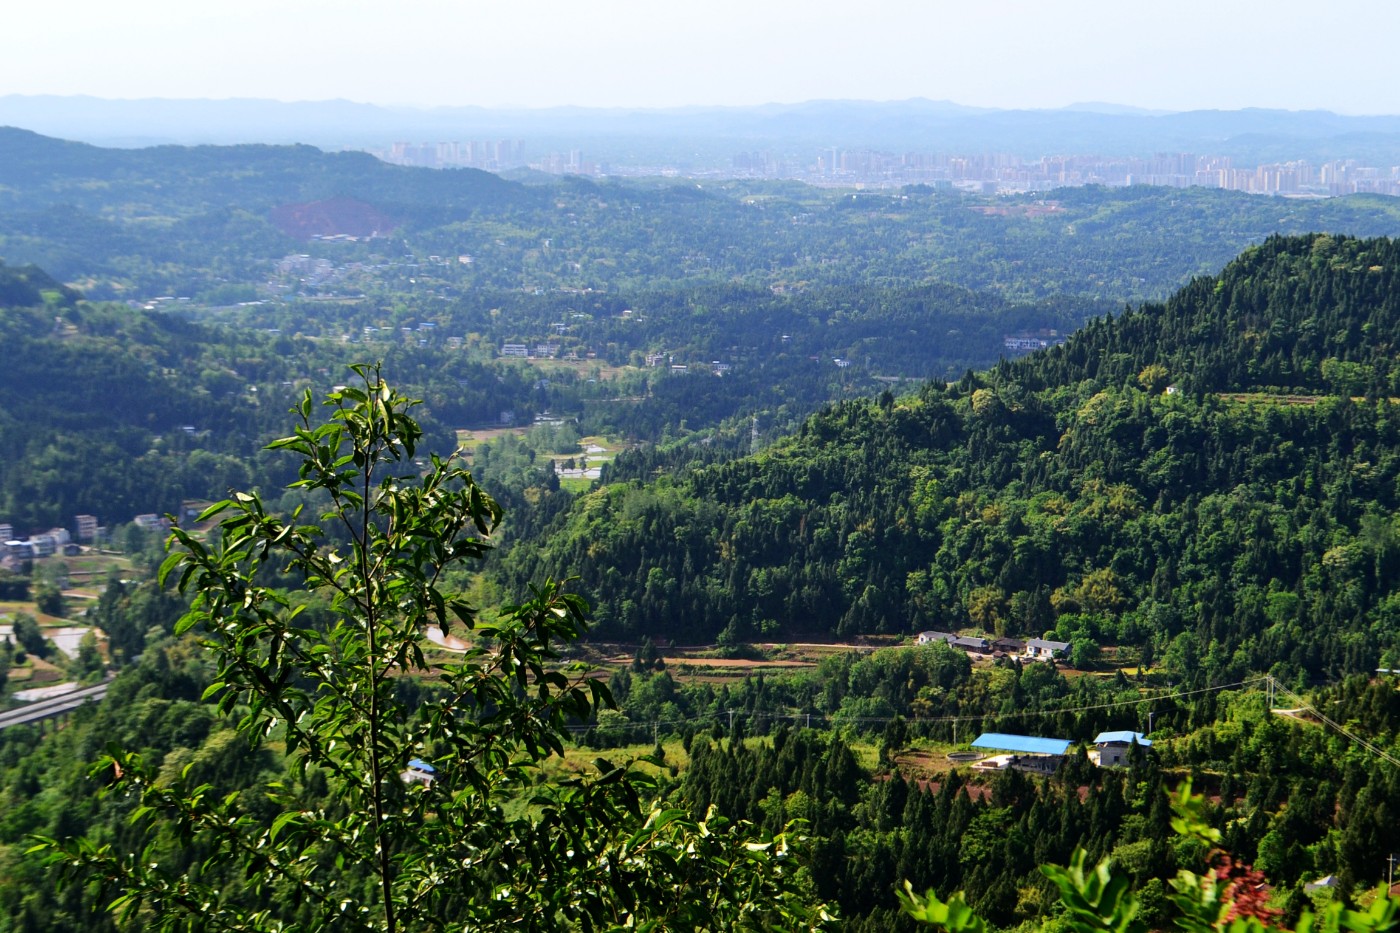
(1125, 736)
(1027, 744)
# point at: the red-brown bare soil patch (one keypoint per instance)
(331, 217)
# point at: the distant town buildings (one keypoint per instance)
(152, 522)
(537, 351)
(310, 270)
(983, 173)
(1027, 342)
(1004, 173)
(492, 155)
(17, 553)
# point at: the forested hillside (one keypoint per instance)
(29, 286)
(1308, 316)
(1118, 491)
(109, 412)
(114, 412)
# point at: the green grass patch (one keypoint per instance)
(579, 760)
(468, 440)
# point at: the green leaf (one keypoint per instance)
(282, 821)
(171, 561)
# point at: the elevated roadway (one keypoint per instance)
(54, 706)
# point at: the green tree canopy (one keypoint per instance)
(406, 809)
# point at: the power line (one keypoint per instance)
(838, 719)
(1097, 706)
(1304, 705)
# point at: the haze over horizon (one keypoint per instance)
(1106, 107)
(1195, 56)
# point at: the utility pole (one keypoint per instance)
(1390, 875)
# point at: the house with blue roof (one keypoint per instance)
(1111, 749)
(419, 772)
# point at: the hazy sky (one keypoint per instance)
(1171, 55)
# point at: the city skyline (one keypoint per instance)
(1189, 56)
(985, 173)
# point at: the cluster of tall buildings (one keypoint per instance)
(566, 163)
(990, 173)
(492, 155)
(1007, 173)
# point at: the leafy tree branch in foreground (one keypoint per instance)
(348, 697)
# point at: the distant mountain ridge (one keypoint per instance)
(175, 220)
(1102, 128)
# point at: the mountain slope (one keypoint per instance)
(28, 286)
(1067, 494)
(1311, 315)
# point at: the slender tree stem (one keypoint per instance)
(386, 883)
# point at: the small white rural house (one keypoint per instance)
(1113, 747)
(1039, 649)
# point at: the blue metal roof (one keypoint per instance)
(1126, 736)
(418, 764)
(1028, 744)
